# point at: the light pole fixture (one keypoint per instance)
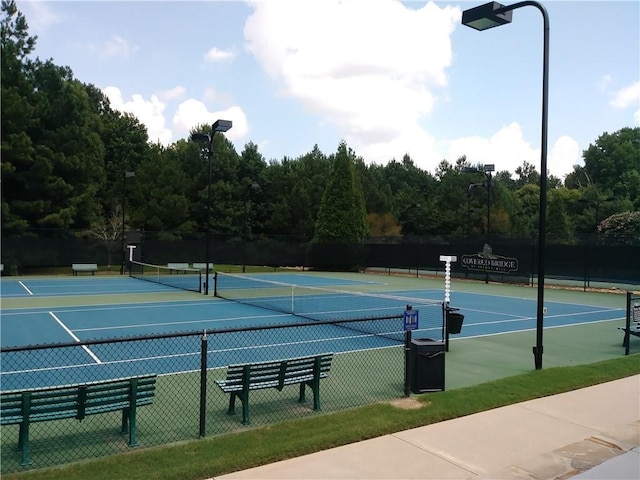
(253, 186)
(490, 15)
(125, 175)
(486, 170)
(597, 203)
(207, 139)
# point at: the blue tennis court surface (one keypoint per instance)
(484, 315)
(10, 288)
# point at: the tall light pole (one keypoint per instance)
(486, 170)
(125, 175)
(247, 222)
(207, 139)
(471, 187)
(491, 15)
(597, 203)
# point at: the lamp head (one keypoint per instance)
(221, 125)
(200, 137)
(486, 16)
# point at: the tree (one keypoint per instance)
(342, 215)
(160, 193)
(16, 111)
(383, 225)
(613, 163)
(558, 222)
(627, 223)
(527, 174)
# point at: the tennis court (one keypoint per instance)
(115, 307)
(119, 327)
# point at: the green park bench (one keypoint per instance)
(84, 267)
(306, 371)
(202, 266)
(23, 407)
(177, 266)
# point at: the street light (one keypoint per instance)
(471, 187)
(491, 15)
(597, 204)
(486, 170)
(247, 223)
(125, 175)
(207, 139)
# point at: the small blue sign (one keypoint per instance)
(410, 320)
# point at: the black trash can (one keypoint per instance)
(427, 362)
(454, 322)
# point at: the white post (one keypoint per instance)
(447, 276)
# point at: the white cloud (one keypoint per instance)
(172, 94)
(217, 55)
(39, 15)
(191, 113)
(507, 149)
(117, 47)
(370, 68)
(562, 157)
(188, 114)
(627, 96)
(604, 82)
(149, 112)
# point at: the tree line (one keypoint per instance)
(71, 164)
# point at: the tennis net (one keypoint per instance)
(183, 278)
(368, 312)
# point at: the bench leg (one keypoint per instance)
(245, 409)
(232, 404)
(133, 430)
(129, 425)
(244, 399)
(302, 398)
(315, 387)
(23, 443)
(125, 421)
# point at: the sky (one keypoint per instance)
(387, 77)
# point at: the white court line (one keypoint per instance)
(86, 349)
(561, 315)
(25, 287)
(182, 322)
(550, 327)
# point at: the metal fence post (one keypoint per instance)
(203, 385)
(407, 363)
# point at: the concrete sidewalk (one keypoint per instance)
(592, 433)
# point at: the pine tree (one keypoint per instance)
(342, 217)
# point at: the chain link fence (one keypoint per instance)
(187, 402)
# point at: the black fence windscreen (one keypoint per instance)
(501, 258)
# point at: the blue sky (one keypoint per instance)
(388, 77)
